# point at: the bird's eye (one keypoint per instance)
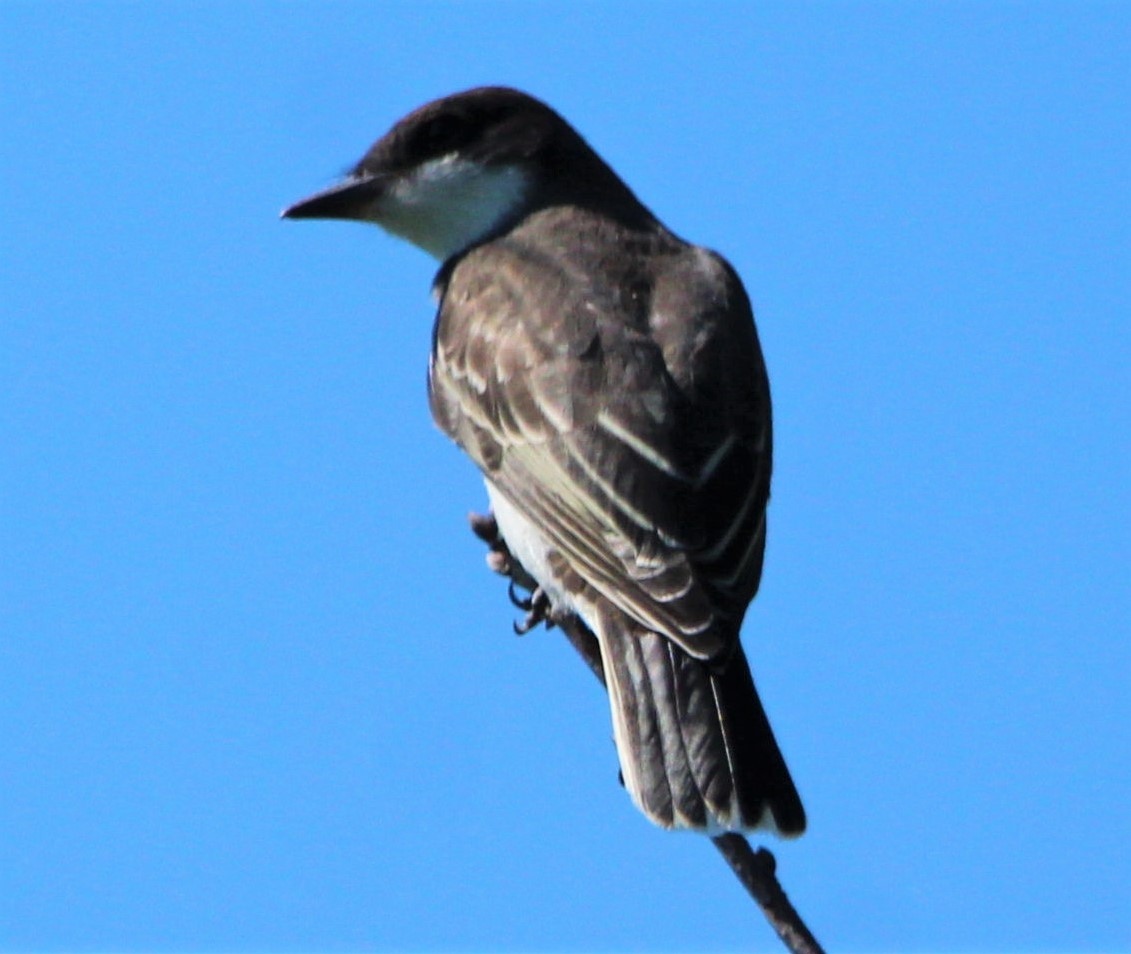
(443, 134)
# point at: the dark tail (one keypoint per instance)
(696, 749)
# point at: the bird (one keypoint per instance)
(607, 379)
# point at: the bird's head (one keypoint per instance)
(462, 168)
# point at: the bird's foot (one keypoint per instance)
(484, 526)
(536, 606)
(499, 557)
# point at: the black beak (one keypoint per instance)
(351, 199)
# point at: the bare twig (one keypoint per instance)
(756, 870)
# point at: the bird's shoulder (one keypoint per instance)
(575, 322)
(568, 283)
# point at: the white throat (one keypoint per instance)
(449, 203)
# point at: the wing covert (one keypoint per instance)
(636, 439)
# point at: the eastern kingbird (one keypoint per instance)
(607, 379)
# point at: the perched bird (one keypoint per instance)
(607, 379)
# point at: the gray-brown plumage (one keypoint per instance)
(606, 377)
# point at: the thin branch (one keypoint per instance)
(756, 870)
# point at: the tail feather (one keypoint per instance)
(696, 749)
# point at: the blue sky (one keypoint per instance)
(258, 690)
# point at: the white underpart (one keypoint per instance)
(449, 203)
(528, 546)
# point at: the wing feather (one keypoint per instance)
(634, 432)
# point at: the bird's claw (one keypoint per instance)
(536, 606)
(524, 603)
